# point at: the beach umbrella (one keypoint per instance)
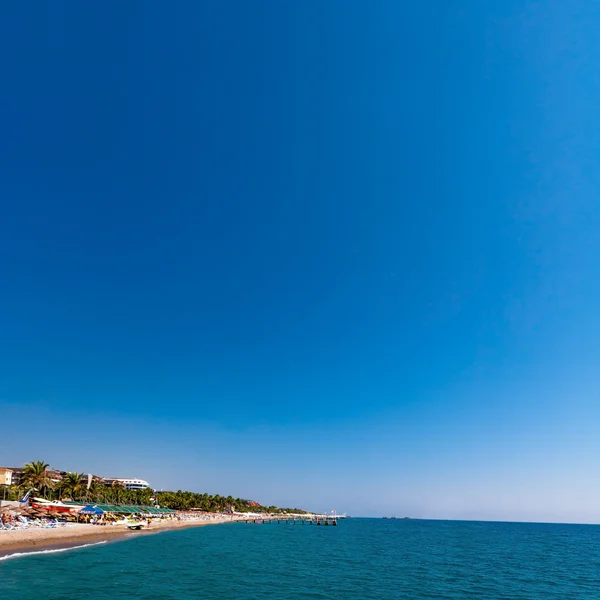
(91, 510)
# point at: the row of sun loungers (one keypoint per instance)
(25, 523)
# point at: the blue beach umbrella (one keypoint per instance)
(90, 509)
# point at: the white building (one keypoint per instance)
(129, 484)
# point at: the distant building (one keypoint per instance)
(89, 477)
(17, 473)
(54, 475)
(129, 484)
(6, 476)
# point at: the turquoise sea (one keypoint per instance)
(360, 559)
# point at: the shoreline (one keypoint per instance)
(34, 540)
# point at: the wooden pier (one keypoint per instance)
(320, 520)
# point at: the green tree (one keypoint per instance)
(35, 475)
(72, 486)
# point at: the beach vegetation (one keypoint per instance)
(36, 476)
(71, 486)
(74, 486)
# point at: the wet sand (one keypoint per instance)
(34, 539)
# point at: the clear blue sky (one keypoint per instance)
(341, 255)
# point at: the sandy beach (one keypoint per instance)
(33, 539)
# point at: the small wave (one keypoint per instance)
(51, 551)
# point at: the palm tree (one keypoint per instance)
(119, 490)
(96, 491)
(35, 475)
(72, 485)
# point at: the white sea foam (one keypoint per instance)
(51, 551)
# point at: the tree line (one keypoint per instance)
(74, 486)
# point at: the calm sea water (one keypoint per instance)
(360, 559)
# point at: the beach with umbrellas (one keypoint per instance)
(26, 529)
